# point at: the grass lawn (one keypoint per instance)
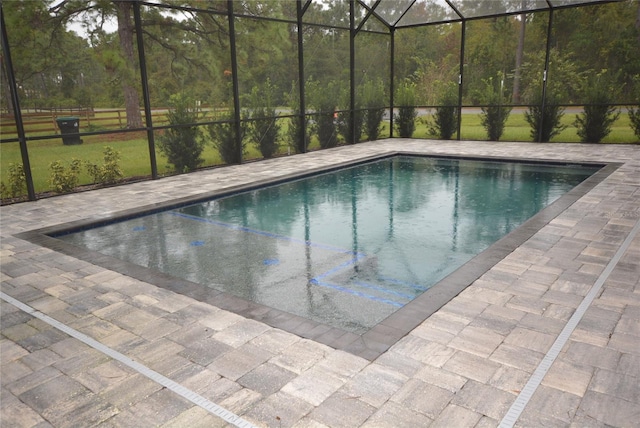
(517, 129)
(134, 149)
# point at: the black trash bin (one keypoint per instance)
(69, 128)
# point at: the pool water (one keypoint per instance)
(345, 248)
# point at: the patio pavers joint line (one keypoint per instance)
(535, 380)
(186, 393)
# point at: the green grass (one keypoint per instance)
(517, 129)
(135, 152)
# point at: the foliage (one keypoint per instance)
(297, 123)
(634, 117)
(64, 178)
(109, 172)
(343, 121)
(16, 183)
(323, 101)
(634, 114)
(405, 120)
(563, 80)
(595, 122)
(445, 119)
(182, 144)
(494, 113)
(343, 124)
(189, 50)
(433, 79)
(545, 122)
(373, 101)
(225, 139)
(264, 130)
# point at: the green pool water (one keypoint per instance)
(345, 248)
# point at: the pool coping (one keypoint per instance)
(379, 338)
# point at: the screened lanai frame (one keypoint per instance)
(365, 16)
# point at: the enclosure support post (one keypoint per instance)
(352, 74)
(148, 119)
(391, 77)
(461, 76)
(545, 75)
(303, 123)
(17, 113)
(234, 77)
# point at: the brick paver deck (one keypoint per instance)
(463, 367)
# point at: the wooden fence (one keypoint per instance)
(44, 122)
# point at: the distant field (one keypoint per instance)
(135, 152)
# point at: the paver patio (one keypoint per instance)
(462, 367)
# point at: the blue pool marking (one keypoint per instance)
(315, 281)
(261, 232)
(196, 243)
(341, 266)
(408, 284)
(318, 280)
(384, 290)
(139, 228)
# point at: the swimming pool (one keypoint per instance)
(347, 248)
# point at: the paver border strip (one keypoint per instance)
(175, 387)
(512, 415)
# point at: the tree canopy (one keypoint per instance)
(85, 53)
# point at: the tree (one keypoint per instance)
(264, 128)
(298, 132)
(323, 99)
(48, 60)
(124, 10)
(595, 122)
(445, 120)
(634, 117)
(545, 121)
(515, 96)
(405, 120)
(494, 113)
(373, 99)
(121, 60)
(182, 144)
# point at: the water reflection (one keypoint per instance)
(346, 248)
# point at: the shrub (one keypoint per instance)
(297, 123)
(64, 178)
(183, 144)
(494, 114)
(16, 183)
(109, 172)
(634, 117)
(326, 130)
(445, 119)
(545, 122)
(373, 100)
(595, 122)
(344, 119)
(323, 101)
(297, 126)
(264, 130)
(224, 138)
(405, 120)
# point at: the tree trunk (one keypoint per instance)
(519, 54)
(638, 24)
(125, 34)
(6, 88)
